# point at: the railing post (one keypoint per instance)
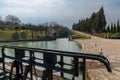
(76, 69)
(49, 60)
(28, 68)
(3, 58)
(61, 60)
(19, 54)
(84, 68)
(31, 61)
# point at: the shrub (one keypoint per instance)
(23, 35)
(15, 36)
(79, 36)
(104, 35)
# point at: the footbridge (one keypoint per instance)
(48, 59)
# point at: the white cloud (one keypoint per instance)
(31, 7)
(64, 11)
(34, 3)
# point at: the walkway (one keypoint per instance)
(110, 49)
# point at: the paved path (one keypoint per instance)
(110, 49)
(35, 77)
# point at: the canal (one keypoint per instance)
(60, 44)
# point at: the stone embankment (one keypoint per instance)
(110, 48)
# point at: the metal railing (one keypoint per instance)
(49, 61)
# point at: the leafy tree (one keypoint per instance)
(2, 25)
(95, 24)
(16, 28)
(23, 35)
(12, 19)
(15, 36)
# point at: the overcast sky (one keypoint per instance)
(64, 12)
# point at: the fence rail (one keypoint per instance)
(49, 61)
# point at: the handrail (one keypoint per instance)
(75, 55)
(66, 53)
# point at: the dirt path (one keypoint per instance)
(110, 49)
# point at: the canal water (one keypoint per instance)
(60, 44)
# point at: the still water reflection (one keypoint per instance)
(59, 44)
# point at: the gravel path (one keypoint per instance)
(110, 49)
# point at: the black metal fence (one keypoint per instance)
(49, 61)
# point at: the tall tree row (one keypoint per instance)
(95, 24)
(113, 28)
(13, 23)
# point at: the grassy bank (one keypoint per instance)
(79, 36)
(7, 35)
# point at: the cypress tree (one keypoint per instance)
(108, 29)
(118, 27)
(95, 24)
(114, 28)
(101, 23)
(92, 23)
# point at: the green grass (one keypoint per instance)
(103, 35)
(6, 35)
(79, 36)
